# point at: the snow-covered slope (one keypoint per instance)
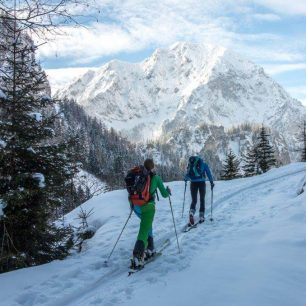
(89, 183)
(186, 85)
(252, 254)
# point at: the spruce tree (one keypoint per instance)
(265, 151)
(35, 165)
(230, 167)
(250, 162)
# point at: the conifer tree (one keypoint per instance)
(230, 167)
(35, 165)
(250, 162)
(265, 151)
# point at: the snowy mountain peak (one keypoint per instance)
(185, 85)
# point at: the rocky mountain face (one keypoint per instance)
(192, 94)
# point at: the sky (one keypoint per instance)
(271, 33)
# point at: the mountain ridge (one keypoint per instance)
(186, 84)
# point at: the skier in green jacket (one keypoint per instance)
(144, 246)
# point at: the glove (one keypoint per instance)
(168, 190)
(212, 185)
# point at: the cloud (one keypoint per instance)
(282, 68)
(266, 17)
(130, 26)
(292, 7)
(58, 78)
(85, 44)
(264, 48)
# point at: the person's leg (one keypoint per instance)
(147, 216)
(137, 211)
(150, 241)
(194, 196)
(202, 190)
(139, 247)
(150, 251)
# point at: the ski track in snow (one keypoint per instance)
(83, 279)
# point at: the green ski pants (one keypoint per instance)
(146, 214)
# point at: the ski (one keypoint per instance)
(189, 227)
(156, 255)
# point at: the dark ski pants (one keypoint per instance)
(196, 187)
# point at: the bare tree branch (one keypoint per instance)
(41, 17)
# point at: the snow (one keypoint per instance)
(2, 206)
(57, 108)
(40, 178)
(3, 143)
(46, 99)
(253, 253)
(89, 183)
(235, 147)
(36, 116)
(30, 149)
(2, 95)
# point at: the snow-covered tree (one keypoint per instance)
(35, 166)
(265, 151)
(250, 165)
(230, 168)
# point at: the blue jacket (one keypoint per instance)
(205, 170)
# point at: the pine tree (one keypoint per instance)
(230, 167)
(35, 166)
(250, 162)
(265, 151)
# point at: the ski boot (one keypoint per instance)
(202, 219)
(149, 253)
(191, 220)
(137, 263)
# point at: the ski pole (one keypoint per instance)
(157, 195)
(211, 204)
(184, 198)
(178, 246)
(109, 256)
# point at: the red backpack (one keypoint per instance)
(138, 182)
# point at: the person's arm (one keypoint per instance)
(158, 183)
(208, 173)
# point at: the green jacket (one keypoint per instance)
(157, 183)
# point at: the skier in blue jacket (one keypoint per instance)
(197, 171)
